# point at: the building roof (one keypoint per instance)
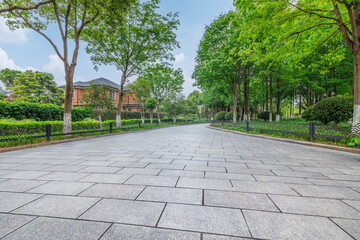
(102, 81)
(4, 92)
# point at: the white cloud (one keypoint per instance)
(179, 57)
(6, 62)
(8, 36)
(55, 65)
(79, 78)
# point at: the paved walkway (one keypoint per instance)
(186, 182)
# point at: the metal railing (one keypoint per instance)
(312, 130)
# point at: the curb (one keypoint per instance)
(22, 147)
(320, 145)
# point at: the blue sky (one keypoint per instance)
(25, 49)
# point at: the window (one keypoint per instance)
(112, 94)
(73, 94)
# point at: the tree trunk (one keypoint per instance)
(300, 101)
(158, 112)
(100, 122)
(308, 97)
(266, 96)
(212, 110)
(278, 102)
(121, 96)
(174, 115)
(151, 117)
(356, 115)
(271, 100)
(67, 123)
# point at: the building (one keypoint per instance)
(129, 103)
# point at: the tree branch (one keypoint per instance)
(14, 8)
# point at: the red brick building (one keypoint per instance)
(129, 103)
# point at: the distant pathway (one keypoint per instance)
(185, 182)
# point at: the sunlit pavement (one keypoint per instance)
(185, 182)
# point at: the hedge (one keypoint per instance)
(334, 109)
(127, 115)
(40, 112)
(266, 116)
(220, 115)
(230, 115)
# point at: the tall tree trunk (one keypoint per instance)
(267, 96)
(151, 116)
(271, 100)
(245, 113)
(308, 98)
(120, 102)
(67, 123)
(158, 112)
(300, 101)
(100, 122)
(278, 112)
(356, 115)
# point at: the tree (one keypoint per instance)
(73, 18)
(145, 38)
(8, 6)
(163, 81)
(36, 87)
(98, 98)
(141, 88)
(174, 104)
(7, 76)
(150, 105)
(307, 24)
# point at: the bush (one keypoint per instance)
(229, 116)
(335, 109)
(111, 115)
(266, 116)
(220, 115)
(39, 112)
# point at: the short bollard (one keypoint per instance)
(111, 127)
(48, 131)
(139, 124)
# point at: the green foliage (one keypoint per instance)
(220, 115)
(2, 97)
(354, 142)
(39, 112)
(150, 104)
(36, 87)
(7, 76)
(230, 115)
(337, 109)
(266, 116)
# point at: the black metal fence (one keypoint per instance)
(312, 130)
(48, 131)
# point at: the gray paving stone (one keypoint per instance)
(315, 206)
(267, 166)
(64, 188)
(250, 171)
(335, 183)
(63, 176)
(190, 162)
(9, 223)
(17, 185)
(219, 237)
(58, 206)
(99, 169)
(267, 225)
(276, 179)
(181, 173)
(173, 195)
(125, 211)
(204, 219)
(350, 226)
(106, 178)
(54, 229)
(205, 168)
(326, 191)
(149, 180)
(142, 171)
(129, 164)
(354, 204)
(119, 231)
(64, 168)
(3, 172)
(25, 174)
(202, 183)
(97, 163)
(113, 191)
(239, 200)
(342, 177)
(263, 187)
(166, 166)
(10, 201)
(233, 176)
(31, 167)
(315, 169)
(299, 174)
(156, 160)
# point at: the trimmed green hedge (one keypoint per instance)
(40, 112)
(220, 115)
(230, 115)
(266, 116)
(334, 109)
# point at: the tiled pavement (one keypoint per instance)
(185, 182)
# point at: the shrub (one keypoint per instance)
(335, 109)
(266, 116)
(220, 115)
(111, 115)
(229, 115)
(39, 112)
